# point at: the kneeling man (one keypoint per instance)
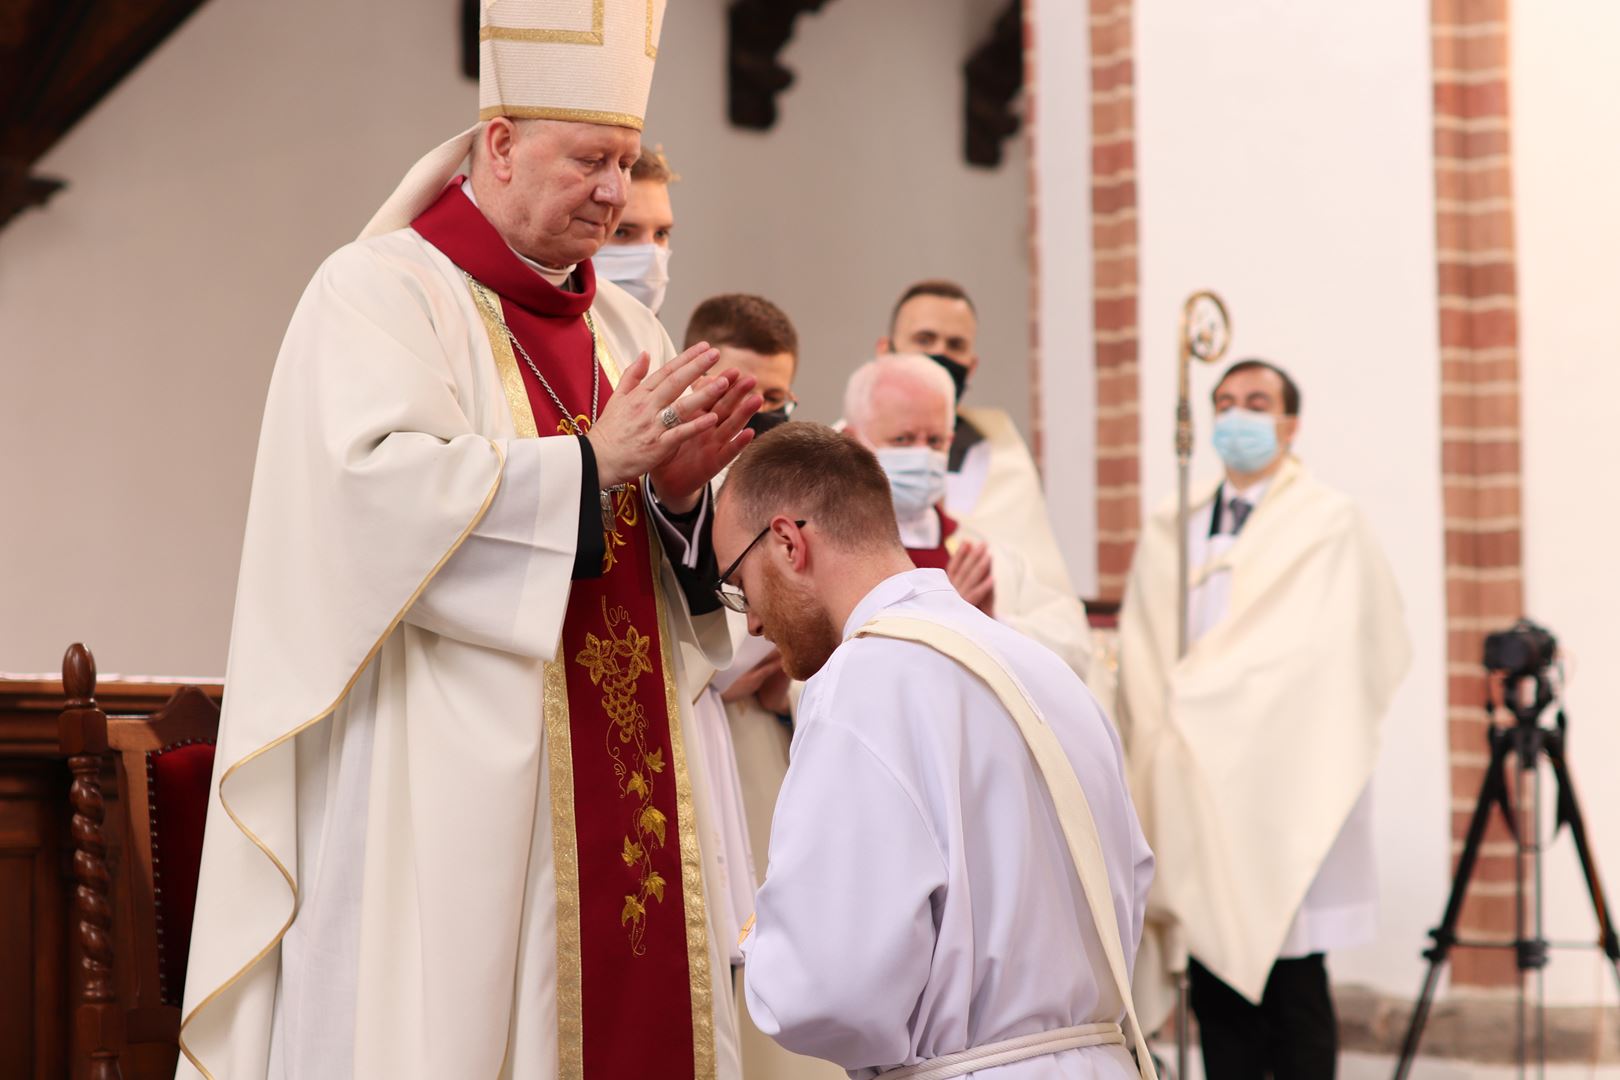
(956, 876)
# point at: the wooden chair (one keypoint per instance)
(131, 915)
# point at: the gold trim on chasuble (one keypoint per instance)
(354, 677)
(559, 753)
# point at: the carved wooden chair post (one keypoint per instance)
(83, 731)
(132, 921)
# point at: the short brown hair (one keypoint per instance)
(743, 322)
(812, 472)
(1291, 395)
(654, 166)
(940, 287)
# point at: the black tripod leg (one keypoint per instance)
(1569, 813)
(1491, 792)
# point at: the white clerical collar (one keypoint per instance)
(891, 591)
(559, 278)
(1251, 494)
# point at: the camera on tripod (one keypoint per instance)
(1523, 650)
(1522, 660)
(1523, 655)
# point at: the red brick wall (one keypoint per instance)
(1037, 427)
(1479, 420)
(1115, 283)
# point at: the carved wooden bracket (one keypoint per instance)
(757, 31)
(993, 76)
(20, 189)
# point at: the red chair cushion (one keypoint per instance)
(179, 777)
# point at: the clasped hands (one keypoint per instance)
(630, 437)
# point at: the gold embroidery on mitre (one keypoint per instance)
(593, 36)
(595, 67)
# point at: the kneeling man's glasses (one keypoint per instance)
(732, 595)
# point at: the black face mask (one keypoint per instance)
(761, 422)
(957, 372)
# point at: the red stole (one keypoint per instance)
(632, 954)
(935, 558)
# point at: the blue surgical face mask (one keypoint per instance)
(916, 478)
(642, 270)
(1246, 441)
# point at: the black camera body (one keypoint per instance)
(1523, 650)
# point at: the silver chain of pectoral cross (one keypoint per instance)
(609, 512)
(596, 365)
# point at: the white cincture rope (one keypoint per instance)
(1010, 1052)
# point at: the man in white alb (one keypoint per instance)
(956, 875)
(1251, 757)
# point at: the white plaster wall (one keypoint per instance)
(1566, 97)
(1068, 358)
(858, 191)
(141, 311)
(1284, 160)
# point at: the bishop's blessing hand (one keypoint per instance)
(646, 420)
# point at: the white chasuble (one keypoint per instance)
(997, 493)
(1022, 600)
(920, 899)
(1249, 755)
(381, 851)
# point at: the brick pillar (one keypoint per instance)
(1115, 284)
(1479, 420)
(1032, 198)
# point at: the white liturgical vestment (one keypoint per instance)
(1023, 600)
(997, 493)
(377, 894)
(920, 899)
(1250, 757)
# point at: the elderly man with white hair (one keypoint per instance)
(902, 406)
(456, 828)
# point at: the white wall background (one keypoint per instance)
(141, 311)
(1566, 161)
(1284, 160)
(1068, 359)
(858, 191)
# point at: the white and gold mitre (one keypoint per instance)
(584, 60)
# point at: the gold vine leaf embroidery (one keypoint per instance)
(637, 784)
(615, 660)
(625, 502)
(597, 658)
(653, 821)
(633, 909)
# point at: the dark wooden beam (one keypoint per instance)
(992, 78)
(757, 32)
(58, 60)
